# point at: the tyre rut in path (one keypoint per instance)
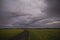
(22, 36)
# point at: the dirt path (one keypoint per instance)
(22, 36)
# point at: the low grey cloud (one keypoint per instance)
(53, 22)
(29, 13)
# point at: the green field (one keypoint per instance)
(44, 34)
(5, 34)
(34, 34)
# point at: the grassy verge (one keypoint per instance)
(5, 34)
(44, 34)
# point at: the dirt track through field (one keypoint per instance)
(22, 36)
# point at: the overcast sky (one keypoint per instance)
(30, 13)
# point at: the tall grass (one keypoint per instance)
(8, 33)
(44, 34)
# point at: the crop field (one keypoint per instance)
(5, 34)
(34, 34)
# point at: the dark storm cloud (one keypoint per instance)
(53, 22)
(53, 8)
(11, 17)
(29, 13)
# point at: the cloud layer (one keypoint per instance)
(29, 13)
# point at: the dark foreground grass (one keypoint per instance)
(44, 34)
(6, 34)
(34, 34)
